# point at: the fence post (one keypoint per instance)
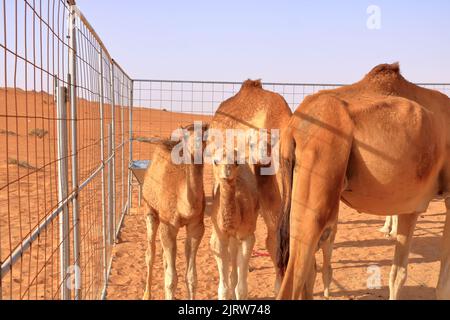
(122, 155)
(64, 241)
(74, 157)
(113, 150)
(111, 203)
(130, 148)
(102, 159)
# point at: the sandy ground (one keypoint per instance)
(359, 247)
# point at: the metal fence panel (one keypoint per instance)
(34, 50)
(55, 160)
(161, 106)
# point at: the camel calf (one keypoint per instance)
(234, 215)
(174, 197)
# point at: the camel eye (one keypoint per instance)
(216, 162)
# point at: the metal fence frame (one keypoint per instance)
(91, 69)
(110, 95)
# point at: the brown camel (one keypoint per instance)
(382, 145)
(234, 215)
(174, 198)
(255, 108)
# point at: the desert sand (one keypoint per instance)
(358, 246)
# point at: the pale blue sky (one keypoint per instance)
(288, 41)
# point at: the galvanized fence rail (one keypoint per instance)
(72, 123)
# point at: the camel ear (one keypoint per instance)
(216, 189)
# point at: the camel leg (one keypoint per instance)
(310, 214)
(152, 222)
(386, 229)
(443, 287)
(271, 245)
(394, 227)
(168, 235)
(233, 251)
(219, 247)
(244, 254)
(308, 291)
(297, 271)
(327, 270)
(397, 278)
(194, 235)
(321, 164)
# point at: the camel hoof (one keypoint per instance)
(393, 235)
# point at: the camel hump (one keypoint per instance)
(385, 69)
(252, 84)
(385, 79)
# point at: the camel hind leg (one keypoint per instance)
(152, 222)
(326, 244)
(443, 287)
(271, 245)
(308, 290)
(323, 134)
(327, 270)
(397, 277)
(194, 235)
(311, 213)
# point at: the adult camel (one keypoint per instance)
(256, 108)
(382, 146)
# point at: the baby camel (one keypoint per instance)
(234, 215)
(174, 197)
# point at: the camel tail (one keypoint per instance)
(287, 164)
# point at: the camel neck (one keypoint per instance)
(228, 205)
(228, 193)
(194, 180)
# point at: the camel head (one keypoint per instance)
(225, 168)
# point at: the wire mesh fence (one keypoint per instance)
(63, 102)
(160, 106)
